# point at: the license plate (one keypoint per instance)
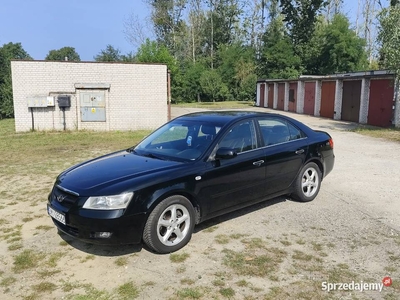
(60, 217)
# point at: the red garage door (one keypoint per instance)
(328, 99)
(292, 96)
(309, 98)
(271, 95)
(281, 96)
(380, 110)
(262, 94)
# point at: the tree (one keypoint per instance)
(301, 15)
(7, 52)
(136, 31)
(64, 53)
(152, 52)
(342, 50)
(389, 37)
(109, 54)
(167, 16)
(212, 85)
(235, 63)
(277, 57)
(190, 88)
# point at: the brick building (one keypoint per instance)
(61, 95)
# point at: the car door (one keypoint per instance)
(285, 152)
(229, 183)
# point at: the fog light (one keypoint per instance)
(102, 235)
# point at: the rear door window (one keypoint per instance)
(276, 131)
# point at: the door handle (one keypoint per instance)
(258, 163)
(300, 151)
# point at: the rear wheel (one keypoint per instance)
(170, 225)
(308, 183)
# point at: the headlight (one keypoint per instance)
(108, 202)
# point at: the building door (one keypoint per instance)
(262, 94)
(271, 87)
(309, 98)
(93, 106)
(328, 99)
(281, 96)
(292, 96)
(351, 100)
(380, 110)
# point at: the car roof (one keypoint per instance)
(226, 116)
(223, 117)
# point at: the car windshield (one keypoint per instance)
(181, 140)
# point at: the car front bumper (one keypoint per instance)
(94, 226)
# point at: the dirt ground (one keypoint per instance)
(280, 249)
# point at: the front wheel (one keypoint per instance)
(170, 225)
(308, 183)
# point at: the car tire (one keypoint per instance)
(170, 225)
(307, 183)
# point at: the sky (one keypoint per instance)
(87, 25)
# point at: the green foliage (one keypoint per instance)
(389, 36)
(301, 16)
(187, 82)
(62, 53)
(342, 50)
(7, 52)
(152, 52)
(212, 85)
(278, 59)
(109, 54)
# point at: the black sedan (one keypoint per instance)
(193, 168)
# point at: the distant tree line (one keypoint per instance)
(216, 49)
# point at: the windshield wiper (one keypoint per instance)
(151, 155)
(131, 150)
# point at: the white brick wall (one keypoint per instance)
(136, 99)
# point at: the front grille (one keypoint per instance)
(63, 197)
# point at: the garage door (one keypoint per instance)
(380, 110)
(328, 99)
(351, 100)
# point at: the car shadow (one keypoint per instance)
(241, 212)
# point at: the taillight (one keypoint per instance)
(331, 142)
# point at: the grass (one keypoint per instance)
(246, 263)
(187, 281)
(121, 261)
(178, 257)
(27, 259)
(217, 105)
(54, 258)
(189, 293)
(227, 292)
(128, 291)
(392, 134)
(6, 282)
(44, 227)
(222, 239)
(61, 148)
(44, 286)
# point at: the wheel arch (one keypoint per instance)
(318, 163)
(178, 192)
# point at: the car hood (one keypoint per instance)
(91, 177)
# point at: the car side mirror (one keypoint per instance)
(225, 153)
